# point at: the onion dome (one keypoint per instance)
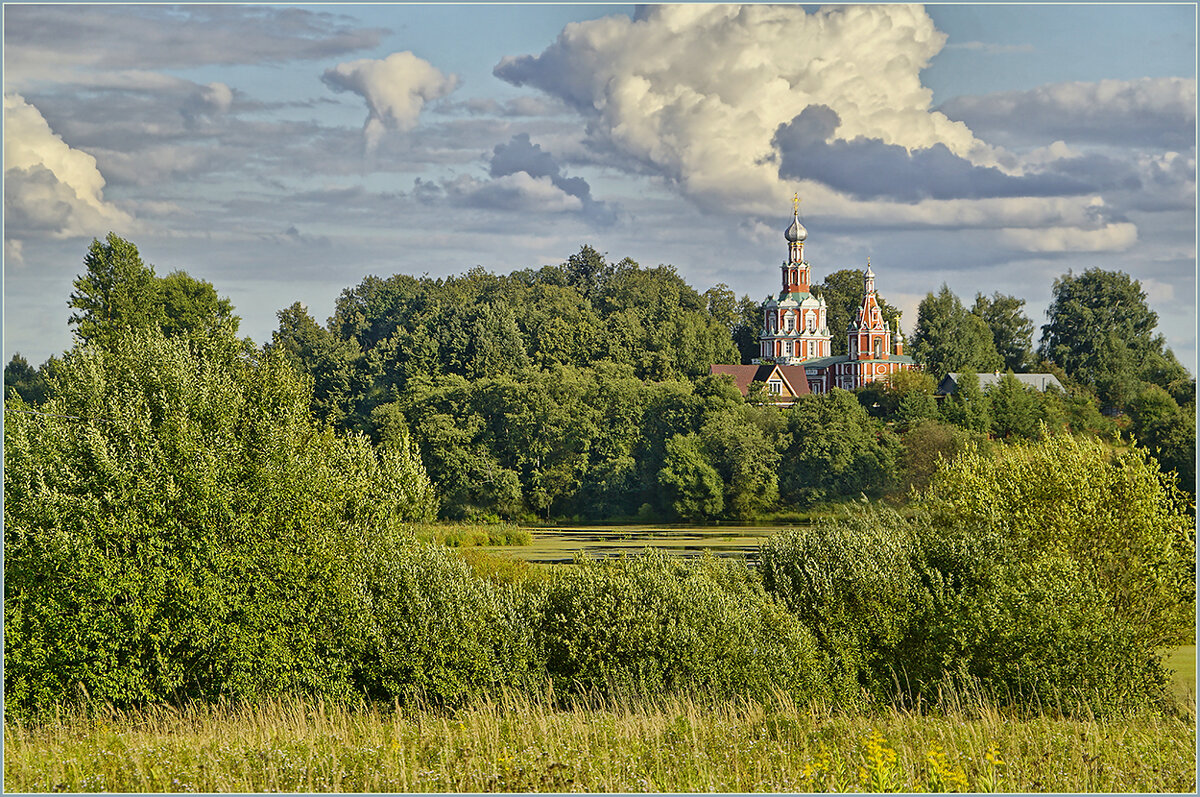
(796, 232)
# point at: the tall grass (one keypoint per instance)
(464, 535)
(518, 743)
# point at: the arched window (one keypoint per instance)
(878, 348)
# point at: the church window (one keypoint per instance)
(878, 348)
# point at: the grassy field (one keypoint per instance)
(522, 745)
(1183, 683)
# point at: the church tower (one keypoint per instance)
(794, 326)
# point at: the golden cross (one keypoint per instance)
(795, 204)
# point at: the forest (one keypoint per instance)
(582, 390)
(193, 516)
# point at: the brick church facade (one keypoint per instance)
(794, 345)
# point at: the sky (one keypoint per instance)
(285, 152)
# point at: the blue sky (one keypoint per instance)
(286, 152)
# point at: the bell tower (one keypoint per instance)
(795, 270)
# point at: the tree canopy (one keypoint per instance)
(948, 338)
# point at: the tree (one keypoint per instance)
(25, 381)
(117, 291)
(330, 361)
(693, 487)
(1012, 331)
(1101, 331)
(949, 339)
(1014, 408)
(836, 450)
(968, 407)
(742, 317)
(1167, 431)
(191, 307)
(843, 294)
(177, 525)
(746, 461)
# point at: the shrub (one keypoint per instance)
(647, 624)
(1053, 574)
(427, 628)
(176, 524)
(851, 581)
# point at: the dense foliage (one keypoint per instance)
(190, 515)
(175, 523)
(1055, 571)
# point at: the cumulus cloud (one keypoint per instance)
(695, 93)
(396, 88)
(210, 101)
(521, 156)
(1154, 112)
(869, 168)
(519, 191)
(50, 188)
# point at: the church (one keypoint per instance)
(794, 344)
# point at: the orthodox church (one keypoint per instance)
(795, 356)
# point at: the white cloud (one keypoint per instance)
(50, 188)
(1114, 237)
(396, 88)
(696, 92)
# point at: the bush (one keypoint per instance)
(649, 624)
(851, 581)
(176, 524)
(1053, 574)
(428, 629)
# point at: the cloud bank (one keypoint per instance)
(1149, 112)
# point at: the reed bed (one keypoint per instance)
(518, 744)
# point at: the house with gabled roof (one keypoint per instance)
(785, 383)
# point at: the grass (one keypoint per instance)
(464, 535)
(1182, 661)
(518, 744)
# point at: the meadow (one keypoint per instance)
(516, 743)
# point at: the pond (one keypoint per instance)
(560, 545)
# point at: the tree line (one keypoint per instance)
(582, 389)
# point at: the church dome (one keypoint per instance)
(796, 232)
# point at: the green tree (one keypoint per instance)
(192, 307)
(24, 381)
(177, 525)
(117, 292)
(1110, 512)
(1101, 331)
(693, 488)
(1014, 408)
(1167, 431)
(331, 362)
(835, 450)
(949, 339)
(968, 407)
(746, 461)
(1012, 331)
(843, 294)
